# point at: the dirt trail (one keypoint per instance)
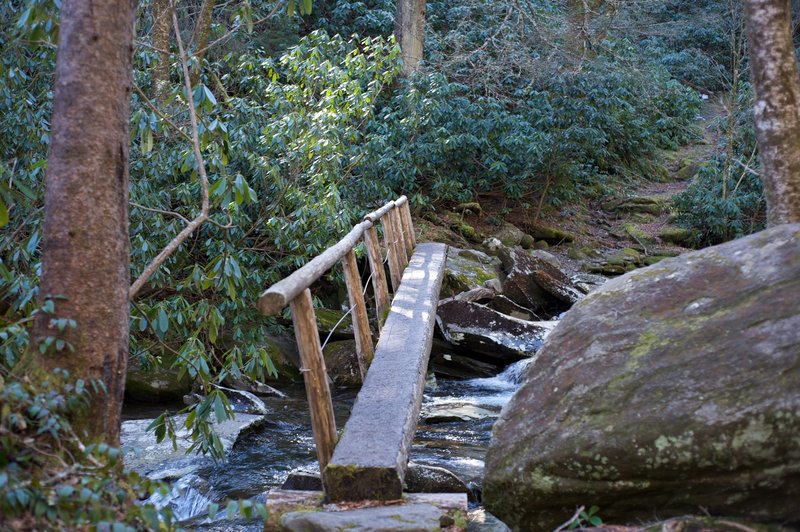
(609, 236)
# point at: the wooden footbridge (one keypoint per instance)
(368, 460)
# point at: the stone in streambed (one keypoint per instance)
(448, 364)
(672, 388)
(534, 279)
(451, 413)
(421, 478)
(496, 336)
(479, 520)
(303, 480)
(505, 306)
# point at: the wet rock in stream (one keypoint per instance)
(160, 460)
(496, 337)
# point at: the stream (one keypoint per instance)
(453, 433)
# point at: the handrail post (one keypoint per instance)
(411, 240)
(390, 238)
(364, 348)
(315, 376)
(379, 287)
(400, 243)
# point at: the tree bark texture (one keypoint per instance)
(85, 255)
(202, 30)
(409, 31)
(162, 22)
(777, 105)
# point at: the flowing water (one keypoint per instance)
(454, 432)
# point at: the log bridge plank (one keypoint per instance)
(371, 457)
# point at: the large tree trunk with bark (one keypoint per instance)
(409, 31)
(162, 22)
(85, 253)
(777, 105)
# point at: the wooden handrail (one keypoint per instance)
(278, 296)
(294, 291)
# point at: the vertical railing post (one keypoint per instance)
(379, 286)
(390, 237)
(405, 213)
(315, 376)
(355, 292)
(400, 242)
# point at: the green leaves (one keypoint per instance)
(305, 7)
(3, 213)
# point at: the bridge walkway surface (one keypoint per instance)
(363, 468)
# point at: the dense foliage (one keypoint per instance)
(726, 199)
(49, 479)
(305, 126)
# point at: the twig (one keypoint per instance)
(161, 115)
(236, 28)
(575, 516)
(190, 228)
(151, 209)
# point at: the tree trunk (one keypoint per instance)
(85, 253)
(162, 22)
(202, 30)
(777, 105)
(409, 31)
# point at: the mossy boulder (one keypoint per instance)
(688, 171)
(156, 385)
(341, 361)
(527, 241)
(467, 269)
(638, 204)
(672, 388)
(335, 323)
(510, 235)
(677, 235)
(552, 235)
(285, 357)
(637, 234)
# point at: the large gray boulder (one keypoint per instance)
(670, 389)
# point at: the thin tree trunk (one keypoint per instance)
(85, 252)
(777, 105)
(202, 30)
(162, 22)
(409, 31)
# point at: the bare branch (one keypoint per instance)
(160, 114)
(192, 226)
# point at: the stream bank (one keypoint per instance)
(454, 433)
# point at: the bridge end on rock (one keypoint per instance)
(370, 460)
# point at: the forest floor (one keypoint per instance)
(631, 227)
